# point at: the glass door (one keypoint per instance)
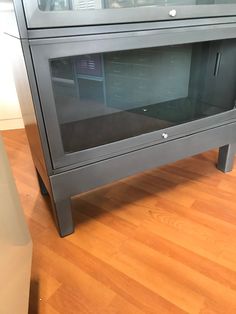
(100, 104)
(58, 13)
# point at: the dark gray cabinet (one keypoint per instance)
(112, 100)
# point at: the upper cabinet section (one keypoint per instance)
(60, 13)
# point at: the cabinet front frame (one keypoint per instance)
(37, 18)
(43, 50)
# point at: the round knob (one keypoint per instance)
(172, 13)
(164, 135)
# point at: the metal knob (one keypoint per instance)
(172, 13)
(164, 135)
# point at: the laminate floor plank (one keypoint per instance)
(160, 242)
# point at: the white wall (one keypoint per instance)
(15, 243)
(10, 115)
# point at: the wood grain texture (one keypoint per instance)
(160, 242)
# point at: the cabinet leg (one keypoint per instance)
(42, 186)
(63, 214)
(226, 157)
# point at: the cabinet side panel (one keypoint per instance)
(30, 108)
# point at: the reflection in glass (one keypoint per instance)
(62, 5)
(107, 97)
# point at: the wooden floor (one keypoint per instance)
(160, 242)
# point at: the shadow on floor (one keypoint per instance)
(34, 297)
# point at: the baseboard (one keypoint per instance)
(10, 124)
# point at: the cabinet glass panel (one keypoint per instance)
(64, 5)
(107, 97)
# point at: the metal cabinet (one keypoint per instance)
(112, 100)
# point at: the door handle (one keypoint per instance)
(217, 64)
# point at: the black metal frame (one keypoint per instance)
(64, 175)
